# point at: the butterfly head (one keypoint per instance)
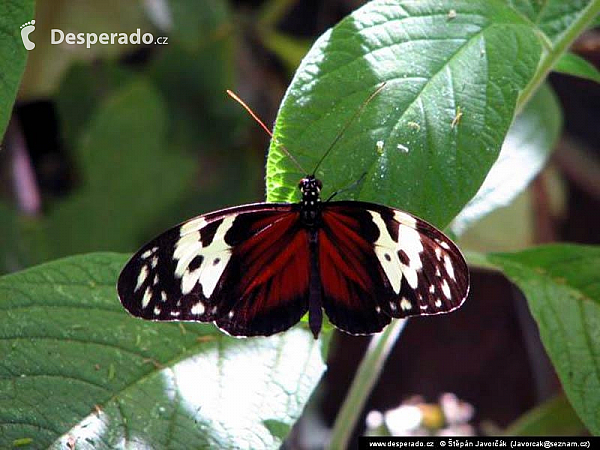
(310, 187)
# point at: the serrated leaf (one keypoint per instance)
(12, 54)
(552, 17)
(572, 64)
(449, 100)
(77, 367)
(562, 286)
(524, 153)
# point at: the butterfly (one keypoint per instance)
(257, 269)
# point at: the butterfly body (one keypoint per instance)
(257, 269)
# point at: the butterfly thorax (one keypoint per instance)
(311, 200)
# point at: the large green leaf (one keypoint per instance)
(552, 17)
(441, 118)
(524, 153)
(562, 286)
(76, 366)
(12, 53)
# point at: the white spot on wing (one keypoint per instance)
(208, 273)
(154, 261)
(147, 297)
(424, 307)
(405, 219)
(438, 303)
(141, 278)
(163, 296)
(198, 309)
(156, 310)
(411, 276)
(405, 304)
(377, 309)
(446, 289)
(193, 225)
(211, 272)
(409, 240)
(175, 313)
(149, 252)
(392, 306)
(186, 249)
(385, 245)
(230, 315)
(449, 267)
(432, 289)
(445, 245)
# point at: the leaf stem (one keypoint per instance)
(367, 374)
(553, 54)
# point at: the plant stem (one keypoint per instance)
(367, 374)
(553, 54)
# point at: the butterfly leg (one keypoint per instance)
(315, 296)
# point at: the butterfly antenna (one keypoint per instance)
(264, 127)
(348, 123)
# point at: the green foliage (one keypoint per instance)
(524, 153)
(562, 287)
(120, 140)
(12, 53)
(436, 68)
(572, 64)
(553, 18)
(75, 365)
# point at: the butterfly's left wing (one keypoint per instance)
(244, 268)
(377, 262)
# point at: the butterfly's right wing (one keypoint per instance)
(378, 262)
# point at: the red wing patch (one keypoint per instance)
(272, 268)
(353, 283)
